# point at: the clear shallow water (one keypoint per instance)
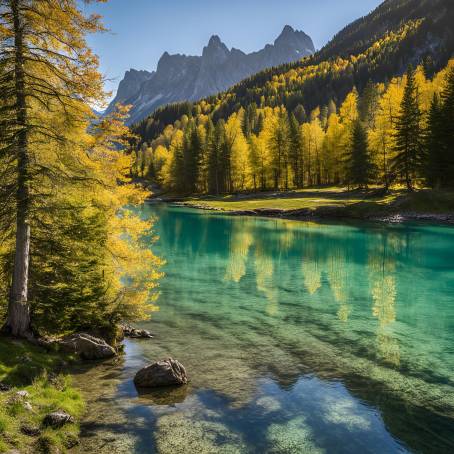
(298, 338)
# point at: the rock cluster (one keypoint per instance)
(135, 333)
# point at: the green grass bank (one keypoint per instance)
(24, 367)
(331, 202)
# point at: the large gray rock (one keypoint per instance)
(88, 347)
(168, 372)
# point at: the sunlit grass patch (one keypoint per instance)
(355, 203)
(293, 200)
(28, 368)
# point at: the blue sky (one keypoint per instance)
(141, 30)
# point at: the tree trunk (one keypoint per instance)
(18, 320)
(385, 169)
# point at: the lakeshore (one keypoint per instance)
(328, 204)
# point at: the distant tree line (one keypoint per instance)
(395, 133)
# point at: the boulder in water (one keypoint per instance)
(168, 372)
(88, 347)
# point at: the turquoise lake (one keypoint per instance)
(297, 338)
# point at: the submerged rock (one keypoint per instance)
(164, 395)
(57, 419)
(88, 347)
(162, 373)
(180, 433)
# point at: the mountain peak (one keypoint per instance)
(216, 50)
(296, 39)
(287, 34)
(288, 29)
(215, 41)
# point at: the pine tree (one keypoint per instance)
(254, 160)
(178, 166)
(435, 149)
(408, 136)
(333, 150)
(439, 143)
(382, 135)
(246, 123)
(47, 64)
(368, 105)
(278, 145)
(313, 137)
(296, 152)
(239, 159)
(196, 159)
(192, 146)
(206, 134)
(249, 122)
(447, 113)
(259, 126)
(359, 165)
(300, 114)
(215, 172)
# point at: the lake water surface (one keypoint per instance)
(297, 337)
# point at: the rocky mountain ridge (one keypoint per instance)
(190, 78)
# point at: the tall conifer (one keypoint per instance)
(434, 149)
(296, 152)
(359, 165)
(46, 65)
(408, 137)
(447, 114)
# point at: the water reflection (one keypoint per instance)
(328, 338)
(240, 243)
(382, 278)
(163, 396)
